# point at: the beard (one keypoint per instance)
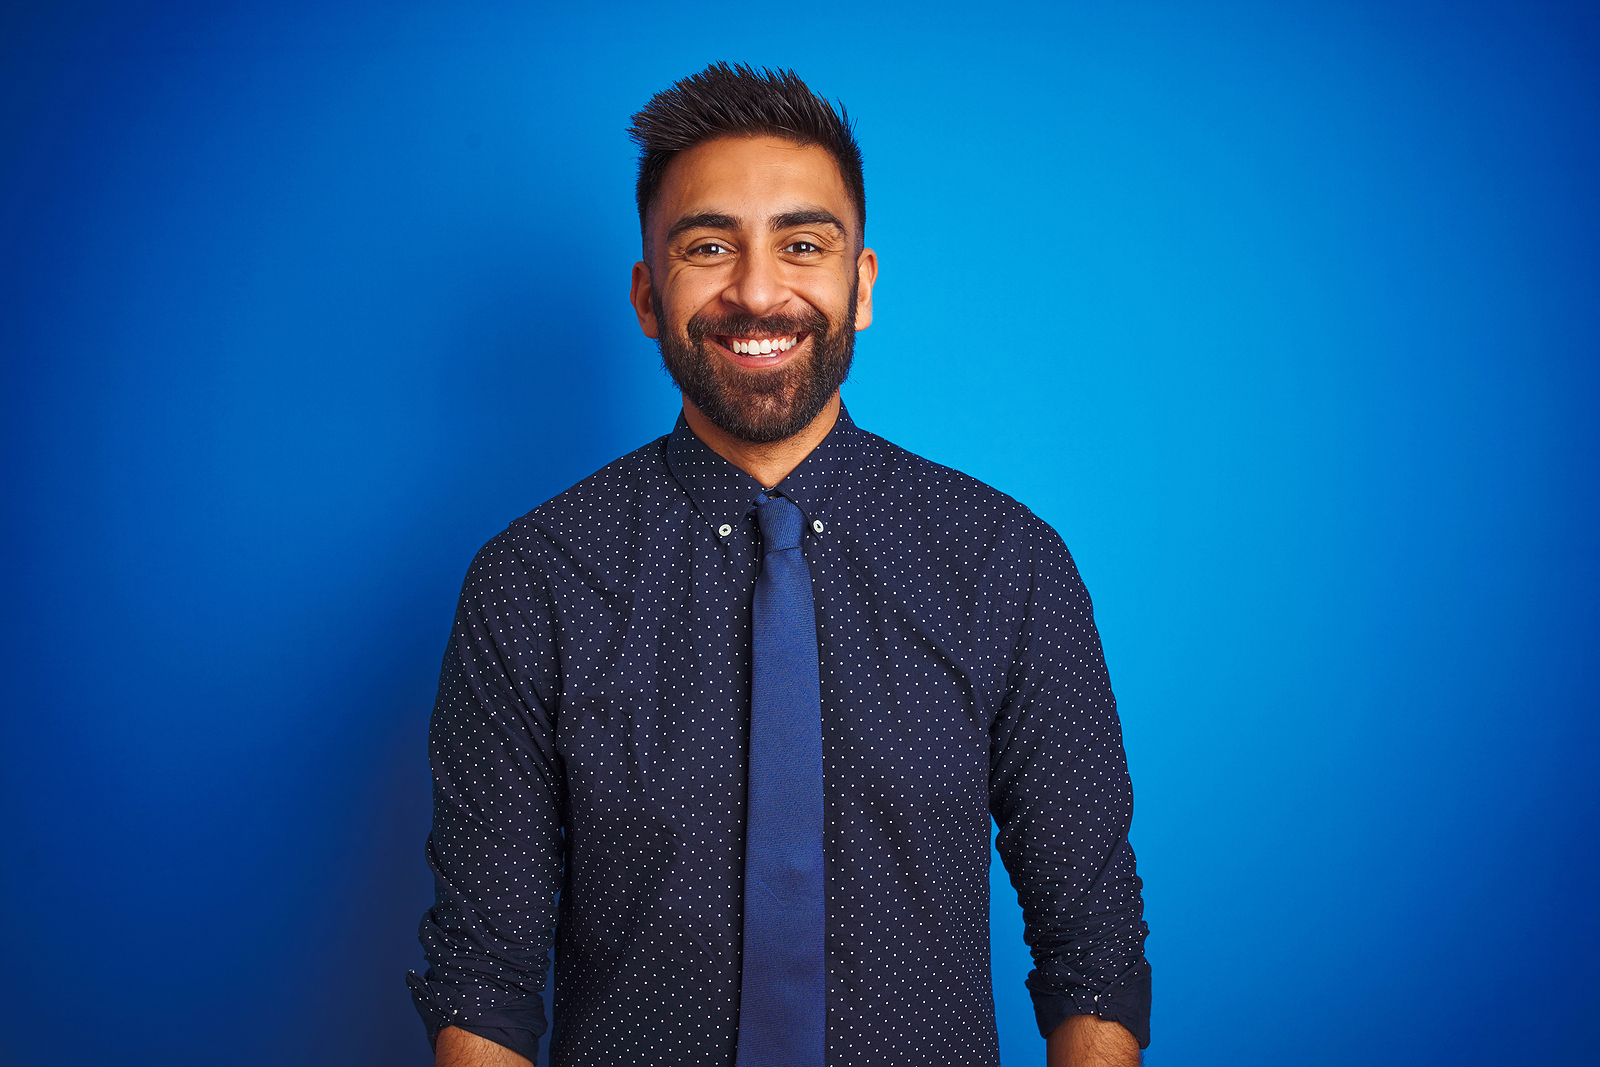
(759, 406)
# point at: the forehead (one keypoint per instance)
(750, 178)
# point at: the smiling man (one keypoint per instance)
(727, 721)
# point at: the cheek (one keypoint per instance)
(684, 299)
(826, 291)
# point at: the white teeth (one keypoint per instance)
(764, 347)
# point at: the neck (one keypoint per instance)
(767, 464)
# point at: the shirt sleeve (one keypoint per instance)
(1061, 797)
(496, 848)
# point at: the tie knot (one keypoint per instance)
(780, 524)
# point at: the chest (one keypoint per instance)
(654, 691)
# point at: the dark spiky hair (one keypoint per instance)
(739, 101)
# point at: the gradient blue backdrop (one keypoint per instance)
(1286, 315)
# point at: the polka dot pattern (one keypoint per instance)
(589, 744)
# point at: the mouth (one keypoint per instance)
(759, 351)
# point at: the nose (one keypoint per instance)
(757, 286)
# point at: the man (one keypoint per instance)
(748, 696)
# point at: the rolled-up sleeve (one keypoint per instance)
(1061, 797)
(496, 847)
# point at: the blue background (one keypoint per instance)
(1286, 315)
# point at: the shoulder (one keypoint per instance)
(943, 498)
(609, 491)
(583, 519)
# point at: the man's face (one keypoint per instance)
(754, 287)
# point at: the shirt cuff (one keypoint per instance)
(515, 1028)
(1127, 1002)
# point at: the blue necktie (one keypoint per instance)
(782, 994)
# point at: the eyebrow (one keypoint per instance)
(811, 217)
(705, 220)
(711, 220)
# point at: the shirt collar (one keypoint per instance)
(725, 494)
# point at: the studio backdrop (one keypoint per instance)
(1285, 315)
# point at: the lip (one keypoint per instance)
(776, 359)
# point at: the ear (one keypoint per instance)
(866, 274)
(639, 293)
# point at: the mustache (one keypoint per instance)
(701, 326)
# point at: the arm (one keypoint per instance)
(496, 847)
(457, 1048)
(1060, 794)
(1085, 1041)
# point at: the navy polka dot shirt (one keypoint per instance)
(589, 740)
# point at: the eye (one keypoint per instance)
(709, 248)
(804, 248)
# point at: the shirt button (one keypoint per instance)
(816, 524)
(724, 530)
